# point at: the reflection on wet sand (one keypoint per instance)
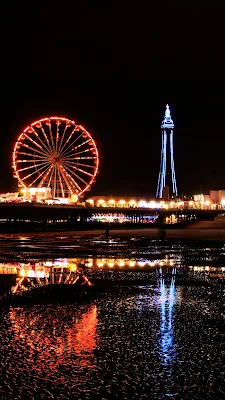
(85, 340)
(68, 270)
(159, 342)
(167, 300)
(51, 337)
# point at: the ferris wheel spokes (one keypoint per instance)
(50, 178)
(38, 177)
(35, 143)
(85, 158)
(79, 169)
(75, 163)
(34, 150)
(57, 135)
(77, 176)
(50, 131)
(77, 153)
(62, 138)
(41, 141)
(34, 172)
(75, 184)
(29, 154)
(66, 177)
(82, 144)
(60, 180)
(73, 150)
(30, 167)
(85, 165)
(71, 144)
(45, 136)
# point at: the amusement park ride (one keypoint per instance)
(56, 161)
(55, 158)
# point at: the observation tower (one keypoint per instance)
(167, 172)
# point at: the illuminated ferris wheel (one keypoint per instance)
(57, 154)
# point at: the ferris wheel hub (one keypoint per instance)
(55, 158)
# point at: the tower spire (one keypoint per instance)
(167, 121)
(167, 112)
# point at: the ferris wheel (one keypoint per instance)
(57, 154)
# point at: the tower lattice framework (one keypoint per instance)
(167, 149)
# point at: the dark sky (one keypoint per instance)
(114, 68)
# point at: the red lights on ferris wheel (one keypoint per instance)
(58, 154)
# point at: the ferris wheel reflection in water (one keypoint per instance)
(55, 334)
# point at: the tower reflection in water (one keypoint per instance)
(168, 298)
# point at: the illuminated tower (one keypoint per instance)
(167, 147)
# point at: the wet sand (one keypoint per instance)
(157, 342)
(204, 234)
(200, 230)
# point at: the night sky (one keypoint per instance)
(114, 69)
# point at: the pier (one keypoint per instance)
(41, 217)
